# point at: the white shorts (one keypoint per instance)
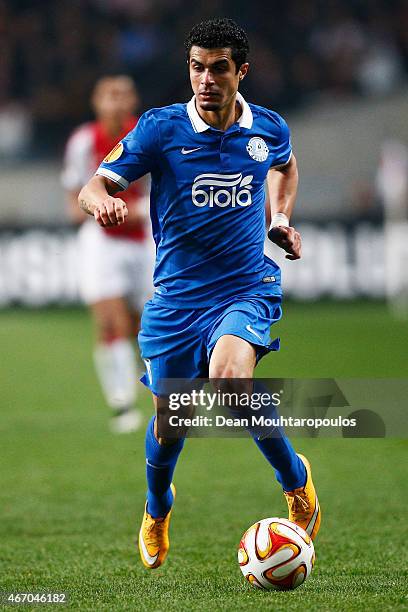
(114, 267)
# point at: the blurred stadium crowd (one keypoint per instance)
(51, 53)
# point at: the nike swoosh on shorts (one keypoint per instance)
(252, 331)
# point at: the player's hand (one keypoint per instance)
(288, 239)
(112, 211)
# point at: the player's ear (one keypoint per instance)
(243, 71)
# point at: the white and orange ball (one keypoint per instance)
(274, 553)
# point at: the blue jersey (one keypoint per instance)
(207, 202)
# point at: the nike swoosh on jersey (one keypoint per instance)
(252, 331)
(185, 151)
(148, 558)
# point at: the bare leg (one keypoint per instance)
(232, 357)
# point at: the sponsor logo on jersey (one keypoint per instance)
(114, 154)
(258, 149)
(185, 151)
(222, 190)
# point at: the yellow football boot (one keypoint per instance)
(154, 538)
(304, 509)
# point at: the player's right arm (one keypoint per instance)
(133, 157)
(97, 199)
(76, 214)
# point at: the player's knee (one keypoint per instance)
(109, 328)
(104, 331)
(229, 369)
(231, 386)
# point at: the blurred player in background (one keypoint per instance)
(115, 262)
(392, 188)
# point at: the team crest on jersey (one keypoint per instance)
(257, 149)
(114, 154)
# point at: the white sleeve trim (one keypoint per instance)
(284, 163)
(122, 182)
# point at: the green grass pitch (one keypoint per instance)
(72, 494)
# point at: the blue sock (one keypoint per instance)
(279, 452)
(160, 464)
(289, 469)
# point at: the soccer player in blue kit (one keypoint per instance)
(216, 293)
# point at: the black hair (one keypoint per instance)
(218, 33)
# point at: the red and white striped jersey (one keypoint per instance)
(85, 150)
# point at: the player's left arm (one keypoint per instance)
(282, 184)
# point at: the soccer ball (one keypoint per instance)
(276, 554)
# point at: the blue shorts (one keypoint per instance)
(178, 343)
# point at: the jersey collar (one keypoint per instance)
(199, 125)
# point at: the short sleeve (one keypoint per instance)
(283, 150)
(135, 155)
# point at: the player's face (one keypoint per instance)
(115, 98)
(214, 77)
